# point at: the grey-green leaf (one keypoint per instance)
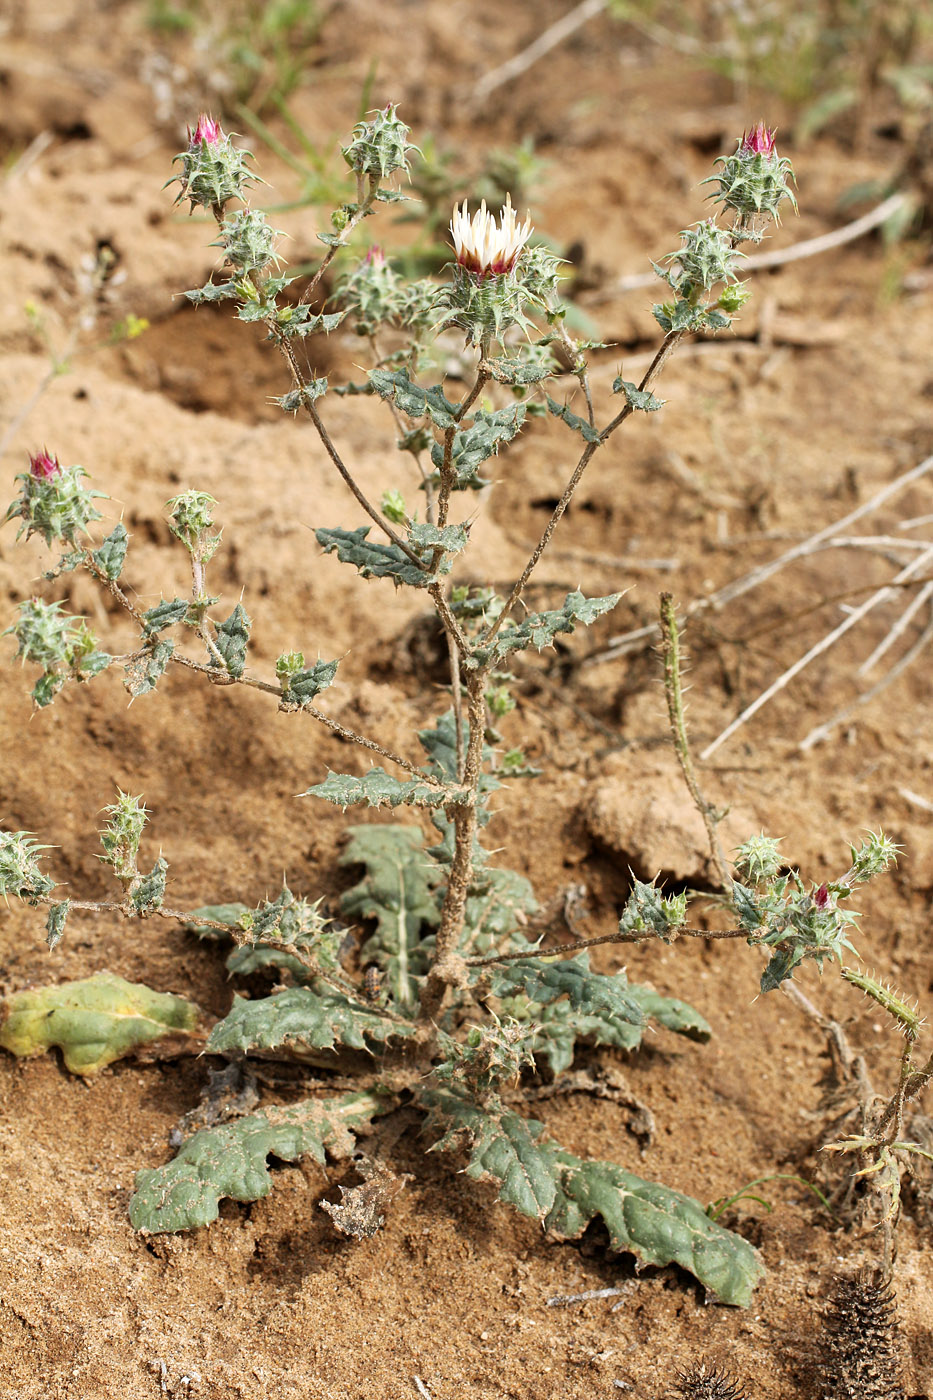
(164, 614)
(579, 425)
(639, 399)
(399, 387)
(373, 560)
(587, 991)
(230, 1160)
(658, 1225)
(539, 629)
(232, 639)
(143, 671)
(112, 552)
(319, 1019)
(503, 1148)
(55, 923)
(474, 445)
(377, 788)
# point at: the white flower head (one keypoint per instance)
(485, 247)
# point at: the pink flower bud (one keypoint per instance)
(207, 130)
(43, 467)
(759, 141)
(375, 257)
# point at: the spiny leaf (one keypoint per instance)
(412, 399)
(232, 640)
(496, 905)
(142, 673)
(539, 629)
(377, 788)
(231, 1160)
(55, 923)
(164, 614)
(503, 1147)
(561, 1028)
(399, 891)
(658, 1225)
(112, 552)
(452, 538)
(639, 399)
(579, 425)
(320, 1019)
(149, 892)
(474, 445)
(303, 397)
(94, 1022)
(373, 560)
(544, 982)
(305, 685)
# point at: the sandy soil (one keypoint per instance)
(820, 400)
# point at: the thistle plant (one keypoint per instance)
(443, 987)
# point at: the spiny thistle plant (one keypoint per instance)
(447, 991)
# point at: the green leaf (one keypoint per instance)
(539, 629)
(143, 671)
(55, 923)
(213, 291)
(149, 893)
(305, 685)
(415, 402)
(561, 1029)
(232, 639)
(112, 552)
(220, 913)
(481, 440)
(452, 538)
(163, 615)
(303, 397)
(503, 1147)
(496, 905)
(579, 425)
(373, 560)
(319, 1019)
(673, 1014)
(94, 1022)
(399, 891)
(588, 992)
(246, 959)
(231, 1160)
(507, 371)
(377, 788)
(639, 399)
(658, 1225)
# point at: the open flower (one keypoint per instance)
(485, 247)
(758, 142)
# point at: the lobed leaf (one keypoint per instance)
(230, 1160)
(319, 1018)
(545, 982)
(143, 671)
(398, 387)
(474, 445)
(539, 629)
(373, 560)
(639, 399)
(377, 788)
(573, 420)
(93, 1022)
(112, 552)
(232, 639)
(503, 1147)
(164, 614)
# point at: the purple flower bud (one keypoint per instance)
(207, 130)
(821, 897)
(758, 142)
(375, 257)
(43, 467)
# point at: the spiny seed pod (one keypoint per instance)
(704, 1382)
(861, 1341)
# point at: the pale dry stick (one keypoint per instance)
(547, 40)
(823, 731)
(421, 1388)
(639, 636)
(897, 630)
(916, 800)
(563, 1300)
(808, 248)
(881, 596)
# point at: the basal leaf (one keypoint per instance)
(539, 629)
(93, 1022)
(319, 1018)
(230, 1160)
(673, 1014)
(658, 1225)
(503, 1147)
(399, 891)
(587, 991)
(497, 904)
